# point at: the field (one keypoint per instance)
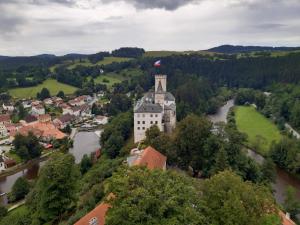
(85, 62)
(112, 78)
(169, 53)
(53, 86)
(261, 132)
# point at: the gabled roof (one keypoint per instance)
(4, 118)
(285, 220)
(97, 213)
(151, 158)
(149, 108)
(66, 118)
(30, 118)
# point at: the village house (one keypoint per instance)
(149, 157)
(96, 216)
(48, 101)
(26, 104)
(85, 110)
(8, 107)
(81, 100)
(11, 128)
(45, 131)
(3, 131)
(44, 118)
(101, 120)
(30, 119)
(38, 110)
(285, 218)
(66, 109)
(5, 119)
(57, 101)
(64, 120)
(2, 164)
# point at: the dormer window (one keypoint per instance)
(94, 221)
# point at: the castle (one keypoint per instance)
(157, 107)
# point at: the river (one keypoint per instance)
(84, 143)
(283, 179)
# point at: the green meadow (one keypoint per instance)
(53, 86)
(113, 78)
(261, 131)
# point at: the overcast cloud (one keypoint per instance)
(29, 27)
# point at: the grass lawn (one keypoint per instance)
(53, 86)
(14, 157)
(114, 78)
(261, 131)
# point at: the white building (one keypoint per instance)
(3, 131)
(38, 110)
(155, 108)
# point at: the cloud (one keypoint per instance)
(152, 4)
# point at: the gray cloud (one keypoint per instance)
(151, 4)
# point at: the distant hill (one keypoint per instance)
(232, 49)
(3, 57)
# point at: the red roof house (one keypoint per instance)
(96, 216)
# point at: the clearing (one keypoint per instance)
(53, 86)
(261, 131)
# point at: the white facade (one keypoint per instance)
(155, 108)
(38, 110)
(3, 131)
(143, 121)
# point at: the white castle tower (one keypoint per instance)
(155, 108)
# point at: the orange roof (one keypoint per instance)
(42, 129)
(97, 213)
(151, 158)
(285, 220)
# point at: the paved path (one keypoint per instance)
(17, 205)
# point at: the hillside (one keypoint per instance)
(232, 49)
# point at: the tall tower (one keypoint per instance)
(160, 83)
(160, 89)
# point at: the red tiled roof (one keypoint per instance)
(152, 159)
(285, 220)
(97, 213)
(4, 118)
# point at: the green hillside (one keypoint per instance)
(53, 86)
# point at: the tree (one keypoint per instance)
(291, 202)
(61, 94)
(152, 197)
(55, 190)
(231, 201)
(27, 147)
(3, 211)
(45, 93)
(191, 135)
(221, 161)
(85, 164)
(269, 170)
(20, 189)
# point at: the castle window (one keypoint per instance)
(143, 115)
(151, 122)
(143, 122)
(138, 128)
(156, 122)
(143, 128)
(151, 115)
(138, 122)
(138, 115)
(156, 115)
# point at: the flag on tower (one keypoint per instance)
(157, 63)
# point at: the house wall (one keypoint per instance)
(143, 121)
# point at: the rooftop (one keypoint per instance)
(97, 214)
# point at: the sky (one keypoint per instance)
(31, 27)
